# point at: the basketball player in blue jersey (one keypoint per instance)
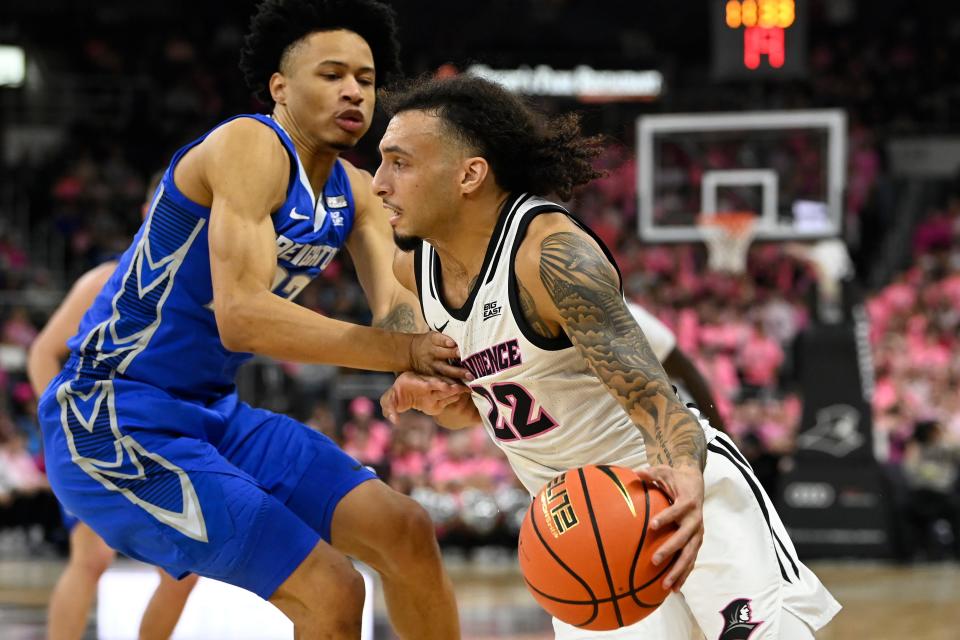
(563, 375)
(146, 441)
(90, 556)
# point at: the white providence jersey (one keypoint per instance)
(539, 401)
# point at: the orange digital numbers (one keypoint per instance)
(767, 14)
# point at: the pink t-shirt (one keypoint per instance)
(412, 463)
(370, 447)
(688, 330)
(760, 360)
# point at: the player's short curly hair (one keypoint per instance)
(527, 151)
(279, 24)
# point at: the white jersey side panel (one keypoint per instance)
(662, 340)
(539, 401)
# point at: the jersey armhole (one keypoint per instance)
(287, 144)
(562, 341)
(559, 342)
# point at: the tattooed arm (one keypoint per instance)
(572, 287)
(580, 292)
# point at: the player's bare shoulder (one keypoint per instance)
(238, 156)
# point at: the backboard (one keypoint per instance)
(789, 167)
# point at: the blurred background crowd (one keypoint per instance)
(116, 98)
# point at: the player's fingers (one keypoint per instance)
(442, 340)
(682, 567)
(403, 402)
(662, 477)
(694, 547)
(650, 474)
(454, 372)
(674, 513)
(437, 384)
(690, 527)
(444, 345)
(447, 391)
(446, 402)
(673, 544)
(388, 405)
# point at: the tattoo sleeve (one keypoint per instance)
(401, 318)
(584, 286)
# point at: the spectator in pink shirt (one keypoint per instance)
(760, 359)
(409, 464)
(18, 330)
(19, 466)
(721, 371)
(457, 469)
(364, 437)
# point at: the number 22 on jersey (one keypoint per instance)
(519, 423)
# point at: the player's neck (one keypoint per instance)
(317, 158)
(463, 246)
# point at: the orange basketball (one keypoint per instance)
(586, 550)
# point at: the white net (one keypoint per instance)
(728, 237)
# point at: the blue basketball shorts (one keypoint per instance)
(222, 490)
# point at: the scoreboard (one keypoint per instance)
(759, 38)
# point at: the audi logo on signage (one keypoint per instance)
(809, 495)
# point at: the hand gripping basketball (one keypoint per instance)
(684, 485)
(586, 547)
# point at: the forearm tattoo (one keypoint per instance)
(584, 286)
(401, 318)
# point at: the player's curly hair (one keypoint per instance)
(526, 150)
(278, 24)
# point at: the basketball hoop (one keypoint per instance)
(728, 235)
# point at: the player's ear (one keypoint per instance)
(278, 88)
(475, 171)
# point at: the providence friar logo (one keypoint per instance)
(737, 620)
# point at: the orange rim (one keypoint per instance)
(735, 222)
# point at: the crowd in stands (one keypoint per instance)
(741, 330)
(915, 333)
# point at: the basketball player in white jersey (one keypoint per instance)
(563, 376)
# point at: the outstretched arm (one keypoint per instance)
(250, 317)
(574, 286)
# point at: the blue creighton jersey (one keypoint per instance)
(154, 322)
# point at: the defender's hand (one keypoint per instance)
(684, 485)
(427, 394)
(431, 353)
